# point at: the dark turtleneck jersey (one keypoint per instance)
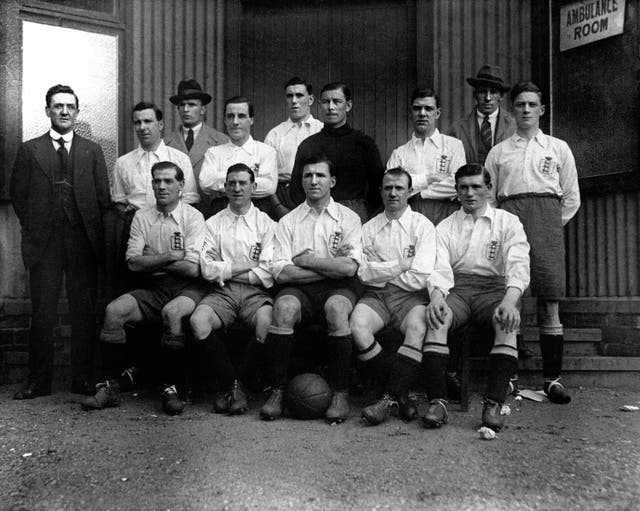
(358, 168)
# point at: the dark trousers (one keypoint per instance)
(68, 251)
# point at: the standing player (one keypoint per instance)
(316, 254)
(235, 257)
(535, 177)
(489, 254)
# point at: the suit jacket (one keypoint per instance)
(467, 130)
(32, 192)
(206, 138)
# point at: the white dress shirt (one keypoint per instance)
(411, 237)
(132, 176)
(493, 119)
(543, 164)
(323, 233)
(260, 157)
(67, 137)
(196, 131)
(232, 238)
(181, 229)
(494, 245)
(438, 156)
(285, 139)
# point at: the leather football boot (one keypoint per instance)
(32, 390)
(237, 399)
(436, 415)
(379, 411)
(221, 402)
(107, 395)
(491, 416)
(171, 402)
(556, 392)
(408, 407)
(274, 407)
(338, 410)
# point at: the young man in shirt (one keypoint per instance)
(316, 255)
(535, 177)
(164, 246)
(287, 136)
(431, 158)
(131, 187)
(358, 168)
(399, 256)
(235, 258)
(194, 136)
(242, 148)
(488, 252)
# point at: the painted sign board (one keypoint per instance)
(590, 20)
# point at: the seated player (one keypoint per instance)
(316, 253)
(164, 245)
(399, 255)
(235, 258)
(489, 254)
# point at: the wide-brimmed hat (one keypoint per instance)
(190, 89)
(489, 76)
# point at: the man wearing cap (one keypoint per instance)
(287, 136)
(488, 124)
(194, 137)
(431, 158)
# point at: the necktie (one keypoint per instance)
(189, 141)
(485, 133)
(64, 160)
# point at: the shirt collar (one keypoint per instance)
(196, 130)
(67, 137)
(404, 220)
(435, 138)
(175, 214)
(331, 209)
(248, 147)
(291, 124)
(247, 218)
(492, 117)
(540, 138)
(489, 214)
(161, 152)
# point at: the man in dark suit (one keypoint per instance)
(194, 137)
(60, 190)
(488, 123)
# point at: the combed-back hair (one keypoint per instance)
(473, 169)
(524, 86)
(239, 99)
(338, 86)
(296, 80)
(397, 172)
(57, 89)
(312, 159)
(166, 165)
(241, 167)
(147, 105)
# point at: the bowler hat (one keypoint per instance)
(190, 89)
(489, 76)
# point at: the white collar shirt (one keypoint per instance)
(232, 238)
(495, 245)
(324, 233)
(410, 238)
(543, 164)
(196, 131)
(432, 164)
(285, 139)
(258, 156)
(131, 183)
(67, 137)
(181, 229)
(493, 121)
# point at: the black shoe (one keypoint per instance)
(556, 392)
(274, 407)
(171, 402)
(408, 407)
(454, 387)
(107, 394)
(82, 387)
(436, 415)
(338, 410)
(491, 417)
(237, 399)
(33, 389)
(379, 411)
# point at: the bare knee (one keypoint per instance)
(336, 311)
(286, 312)
(201, 322)
(119, 311)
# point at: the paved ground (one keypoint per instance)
(53, 456)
